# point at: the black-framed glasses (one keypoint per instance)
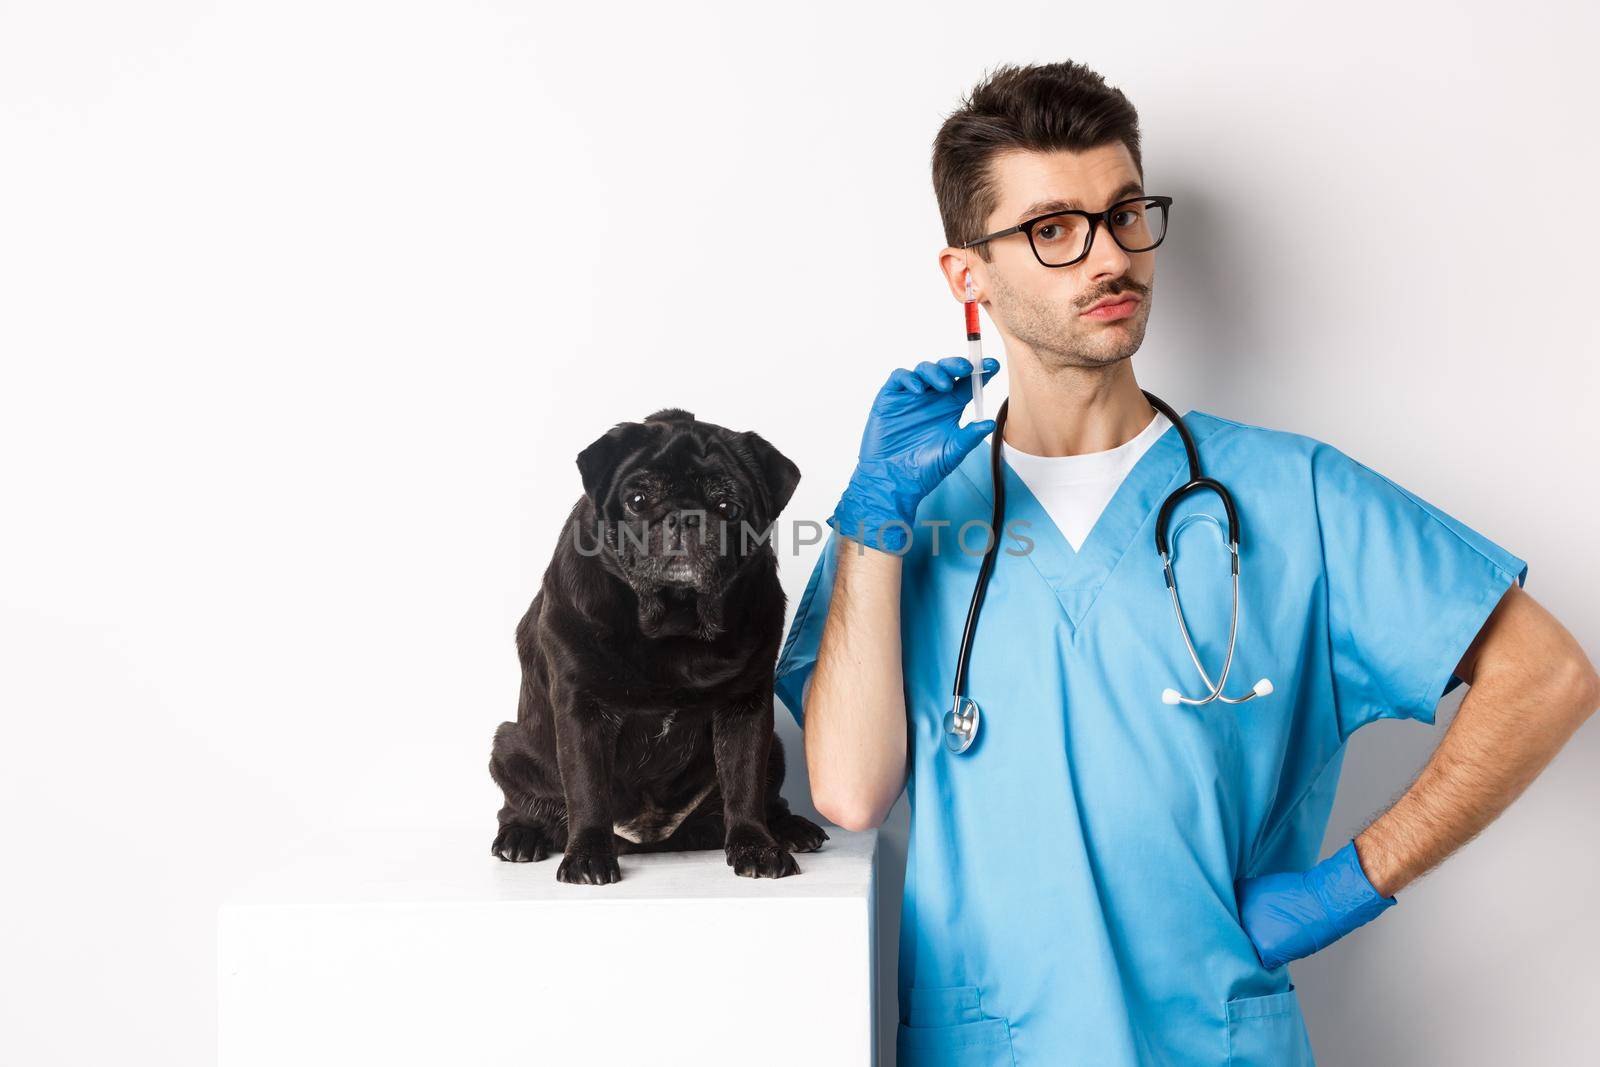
(1063, 238)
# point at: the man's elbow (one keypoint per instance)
(1584, 684)
(852, 813)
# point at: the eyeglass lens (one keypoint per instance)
(1138, 226)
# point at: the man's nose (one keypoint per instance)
(1105, 255)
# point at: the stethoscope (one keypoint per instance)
(961, 721)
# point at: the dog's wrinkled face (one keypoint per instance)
(682, 504)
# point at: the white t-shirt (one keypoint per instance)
(1076, 489)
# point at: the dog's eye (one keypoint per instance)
(728, 509)
(634, 500)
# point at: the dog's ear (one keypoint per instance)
(599, 461)
(777, 472)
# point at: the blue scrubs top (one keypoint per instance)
(1069, 883)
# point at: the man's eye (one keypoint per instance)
(727, 509)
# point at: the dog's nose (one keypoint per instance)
(689, 518)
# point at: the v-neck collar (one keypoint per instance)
(1076, 578)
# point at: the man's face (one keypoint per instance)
(1044, 307)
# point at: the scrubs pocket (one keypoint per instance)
(1268, 1031)
(947, 1028)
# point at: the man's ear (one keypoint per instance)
(598, 462)
(776, 471)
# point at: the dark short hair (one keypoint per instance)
(1040, 108)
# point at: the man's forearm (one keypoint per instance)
(855, 720)
(1532, 687)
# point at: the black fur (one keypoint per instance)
(645, 718)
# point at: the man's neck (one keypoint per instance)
(1074, 410)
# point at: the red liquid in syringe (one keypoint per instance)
(974, 348)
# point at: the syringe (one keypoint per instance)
(974, 349)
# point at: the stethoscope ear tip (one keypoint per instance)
(1263, 687)
(1170, 696)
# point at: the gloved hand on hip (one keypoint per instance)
(911, 443)
(1292, 915)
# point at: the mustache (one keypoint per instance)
(1122, 288)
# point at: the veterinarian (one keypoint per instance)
(1104, 878)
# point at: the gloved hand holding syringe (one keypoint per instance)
(912, 441)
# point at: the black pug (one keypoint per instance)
(645, 717)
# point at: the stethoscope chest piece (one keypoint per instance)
(961, 724)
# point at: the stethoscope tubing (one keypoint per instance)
(962, 719)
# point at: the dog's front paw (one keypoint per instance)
(756, 858)
(520, 844)
(589, 865)
(797, 833)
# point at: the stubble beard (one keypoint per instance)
(1060, 338)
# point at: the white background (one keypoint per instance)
(305, 309)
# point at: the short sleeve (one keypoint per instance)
(799, 653)
(1408, 588)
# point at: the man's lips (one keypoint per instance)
(1125, 307)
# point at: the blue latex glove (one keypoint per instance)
(911, 443)
(1293, 915)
